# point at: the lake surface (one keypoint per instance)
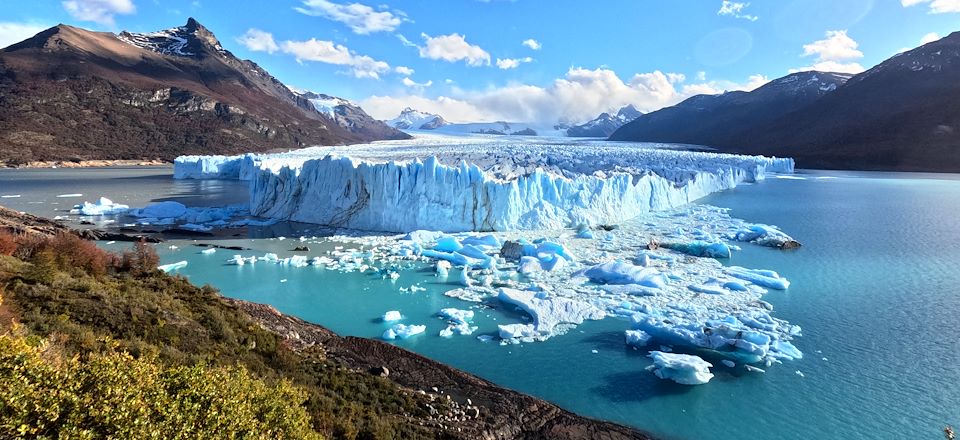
(876, 288)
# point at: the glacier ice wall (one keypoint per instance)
(480, 185)
(401, 197)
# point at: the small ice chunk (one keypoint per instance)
(448, 244)
(443, 268)
(619, 272)
(104, 206)
(167, 209)
(208, 251)
(636, 338)
(392, 315)
(173, 266)
(681, 368)
(510, 331)
(403, 331)
(763, 278)
(728, 363)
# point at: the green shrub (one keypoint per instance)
(118, 396)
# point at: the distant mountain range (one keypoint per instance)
(410, 119)
(601, 126)
(73, 94)
(605, 124)
(903, 114)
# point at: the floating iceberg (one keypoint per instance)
(681, 368)
(459, 322)
(104, 206)
(765, 235)
(403, 331)
(549, 311)
(392, 315)
(173, 266)
(619, 272)
(636, 338)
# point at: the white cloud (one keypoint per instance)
(11, 33)
(405, 41)
(701, 76)
(361, 19)
(936, 6)
(580, 95)
(258, 41)
(99, 11)
(403, 70)
(512, 63)
(736, 10)
(361, 66)
(835, 53)
(929, 38)
(453, 48)
(415, 85)
(531, 43)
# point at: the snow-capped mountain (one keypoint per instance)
(188, 40)
(605, 124)
(154, 95)
(899, 115)
(410, 119)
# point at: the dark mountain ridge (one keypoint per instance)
(70, 94)
(903, 115)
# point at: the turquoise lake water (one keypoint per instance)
(876, 288)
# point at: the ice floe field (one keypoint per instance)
(679, 312)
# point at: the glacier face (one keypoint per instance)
(477, 183)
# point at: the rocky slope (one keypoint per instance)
(903, 114)
(73, 94)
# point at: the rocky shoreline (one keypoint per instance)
(90, 163)
(471, 407)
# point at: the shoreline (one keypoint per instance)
(94, 163)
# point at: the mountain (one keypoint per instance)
(605, 124)
(410, 119)
(718, 120)
(903, 114)
(70, 94)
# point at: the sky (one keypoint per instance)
(523, 60)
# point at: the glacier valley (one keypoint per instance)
(561, 231)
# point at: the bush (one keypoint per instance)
(117, 396)
(8, 243)
(67, 251)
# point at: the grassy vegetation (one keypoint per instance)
(99, 308)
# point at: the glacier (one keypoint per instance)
(457, 184)
(562, 231)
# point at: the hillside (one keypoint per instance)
(903, 114)
(72, 94)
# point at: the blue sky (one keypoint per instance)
(523, 59)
